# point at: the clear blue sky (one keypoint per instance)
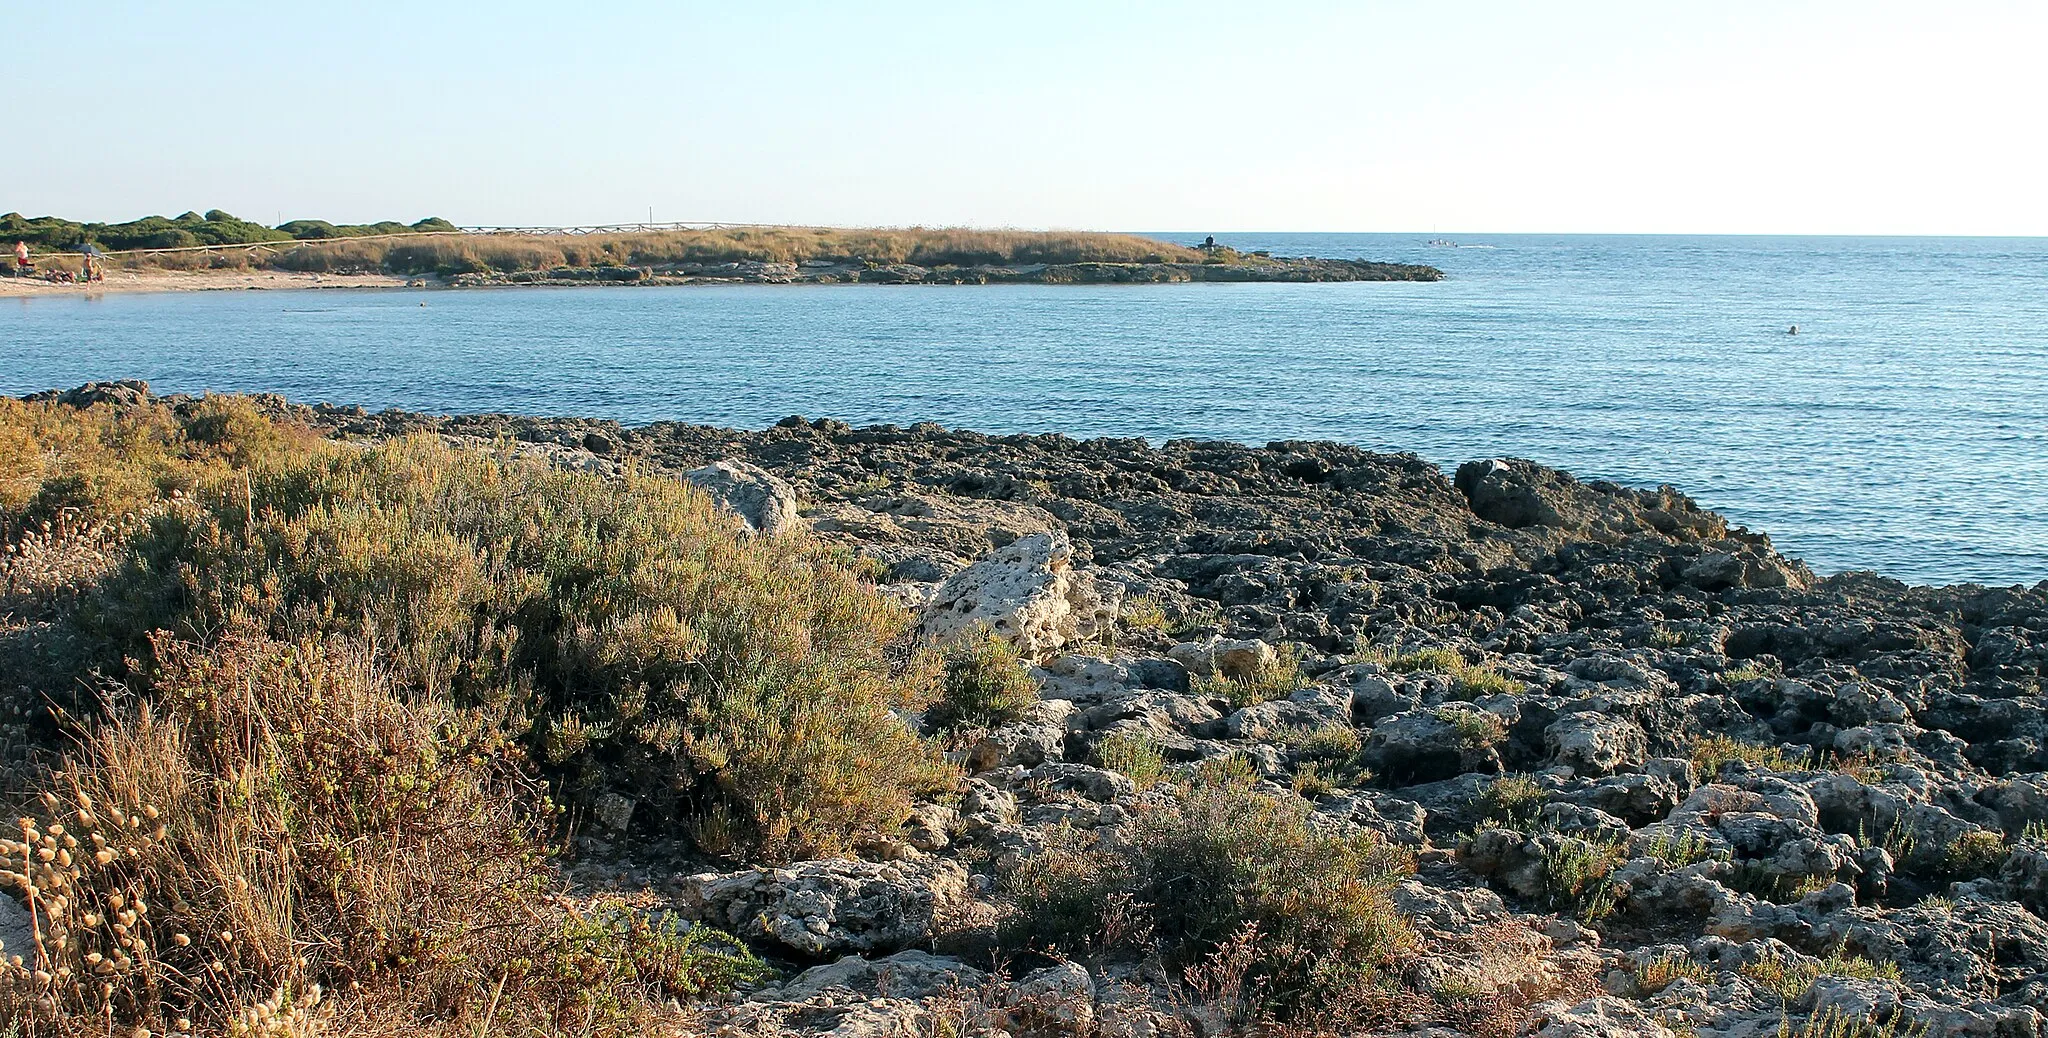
(1777, 117)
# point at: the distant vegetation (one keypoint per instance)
(465, 254)
(50, 233)
(316, 246)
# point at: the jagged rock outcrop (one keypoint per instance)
(819, 908)
(1027, 592)
(1596, 713)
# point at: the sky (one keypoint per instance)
(1740, 117)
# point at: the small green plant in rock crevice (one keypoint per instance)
(1468, 680)
(1133, 755)
(612, 950)
(1512, 802)
(1277, 678)
(984, 683)
(1476, 729)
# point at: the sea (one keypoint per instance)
(1902, 429)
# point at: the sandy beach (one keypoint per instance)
(201, 281)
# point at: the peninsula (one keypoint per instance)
(217, 250)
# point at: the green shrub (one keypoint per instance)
(1142, 613)
(1678, 851)
(1975, 854)
(1327, 742)
(1468, 680)
(1133, 755)
(1438, 661)
(1748, 672)
(1788, 976)
(1202, 868)
(1274, 679)
(1664, 970)
(985, 683)
(1474, 681)
(100, 463)
(625, 628)
(1512, 802)
(1575, 875)
(1476, 729)
(1710, 753)
(1833, 1022)
(611, 960)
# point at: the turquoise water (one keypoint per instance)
(1904, 429)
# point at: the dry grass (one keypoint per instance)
(276, 842)
(1710, 753)
(927, 247)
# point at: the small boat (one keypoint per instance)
(1442, 243)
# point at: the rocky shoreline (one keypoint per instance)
(825, 272)
(1655, 778)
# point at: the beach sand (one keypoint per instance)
(201, 281)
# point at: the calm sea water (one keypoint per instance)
(1904, 429)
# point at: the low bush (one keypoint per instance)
(102, 463)
(627, 629)
(1835, 1022)
(1277, 678)
(984, 683)
(1575, 874)
(1198, 870)
(1133, 755)
(1710, 753)
(1476, 729)
(1512, 802)
(611, 960)
(1468, 680)
(1661, 972)
(1789, 976)
(1975, 855)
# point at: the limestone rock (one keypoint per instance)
(1027, 592)
(906, 974)
(1602, 1017)
(831, 907)
(763, 501)
(1592, 743)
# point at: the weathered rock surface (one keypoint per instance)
(1027, 592)
(819, 908)
(764, 502)
(1715, 754)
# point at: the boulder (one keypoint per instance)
(815, 909)
(17, 934)
(763, 501)
(1593, 743)
(1602, 1017)
(125, 393)
(906, 974)
(1027, 592)
(1219, 657)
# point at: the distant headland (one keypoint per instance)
(219, 250)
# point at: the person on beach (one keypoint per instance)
(21, 256)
